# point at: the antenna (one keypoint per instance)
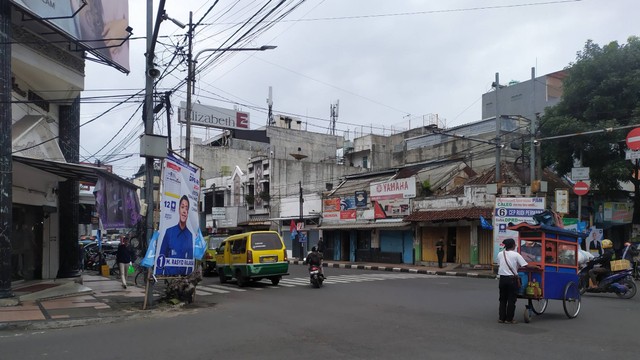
(333, 109)
(270, 105)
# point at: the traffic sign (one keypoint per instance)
(579, 173)
(633, 139)
(581, 188)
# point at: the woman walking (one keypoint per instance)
(123, 258)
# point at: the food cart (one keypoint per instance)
(555, 251)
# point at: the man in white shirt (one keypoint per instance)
(509, 262)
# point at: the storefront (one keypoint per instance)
(38, 246)
(381, 242)
(465, 242)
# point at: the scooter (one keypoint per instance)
(618, 282)
(315, 276)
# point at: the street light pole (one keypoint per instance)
(191, 64)
(190, 75)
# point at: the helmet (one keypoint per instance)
(313, 249)
(607, 244)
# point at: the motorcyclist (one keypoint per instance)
(603, 260)
(314, 258)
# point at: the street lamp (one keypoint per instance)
(191, 79)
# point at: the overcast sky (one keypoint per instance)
(391, 64)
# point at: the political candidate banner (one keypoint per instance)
(178, 218)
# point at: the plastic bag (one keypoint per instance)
(130, 269)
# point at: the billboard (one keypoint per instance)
(100, 25)
(212, 116)
(179, 219)
(393, 189)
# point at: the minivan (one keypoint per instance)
(252, 256)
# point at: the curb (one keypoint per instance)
(398, 269)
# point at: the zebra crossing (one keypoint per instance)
(285, 282)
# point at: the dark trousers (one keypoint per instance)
(440, 254)
(508, 286)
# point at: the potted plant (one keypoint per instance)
(265, 196)
(426, 188)
(250, 199)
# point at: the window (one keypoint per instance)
(550, 252)
(365, 162)
(567, 254)
(265, 242)
(239, 246)
(531, 251)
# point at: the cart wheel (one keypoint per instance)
(527, 314)
(571, 300)
(538, 306)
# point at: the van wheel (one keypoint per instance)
(221, 276)
(275, 280)
(242, 281)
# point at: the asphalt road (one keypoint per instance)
(363, 315)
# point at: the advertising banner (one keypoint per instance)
(212, 116)
(117, 204)
(101, 25)
(178, 218)
(393, 189)
(515, 211)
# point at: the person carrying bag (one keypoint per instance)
(123, 258)
(510, 282)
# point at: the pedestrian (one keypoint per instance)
(320, 246)
(509, 261)
(440, 251)
(123, 258)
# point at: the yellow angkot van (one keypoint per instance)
(252, 256)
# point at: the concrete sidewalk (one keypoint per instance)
(65, 303)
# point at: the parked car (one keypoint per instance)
(209, 260)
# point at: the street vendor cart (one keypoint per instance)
(555, 251)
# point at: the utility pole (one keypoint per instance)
(532, 124)
(302, 252)
(190, 78)
(498, 128)
(150, 74)
(6, 159)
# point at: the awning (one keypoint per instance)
(364, 226)
(294, 218)
(472, 213)
(70, 171)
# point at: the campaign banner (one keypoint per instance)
(117, 203)
(513, 211)
(179, 223)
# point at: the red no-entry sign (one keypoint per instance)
(581, 188)
(633, 139)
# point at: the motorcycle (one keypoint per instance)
(316, 277)
(618, 282)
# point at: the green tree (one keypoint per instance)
(601, 91)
